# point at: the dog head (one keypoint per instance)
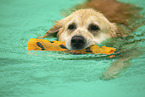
(83, 28)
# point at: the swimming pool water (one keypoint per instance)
(52, 74)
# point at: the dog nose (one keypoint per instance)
(78, 42)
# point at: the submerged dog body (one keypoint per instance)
(83, 28)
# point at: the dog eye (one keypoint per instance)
(93, 27)
(72, 26)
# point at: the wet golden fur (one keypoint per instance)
(83, 18)
(106, 13)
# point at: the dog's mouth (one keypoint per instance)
(78, 42)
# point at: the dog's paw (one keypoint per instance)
(109, 75)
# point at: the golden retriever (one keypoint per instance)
(88, 26)
(92, 24)
(83, 28)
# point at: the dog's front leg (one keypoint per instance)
(120, 64)
(116, 67)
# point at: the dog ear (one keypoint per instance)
(54, 30)
(117, 31)
(113, 30)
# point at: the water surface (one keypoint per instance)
(52, 74)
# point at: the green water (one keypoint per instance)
(52, 74)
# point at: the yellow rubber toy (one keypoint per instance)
(44, 44)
